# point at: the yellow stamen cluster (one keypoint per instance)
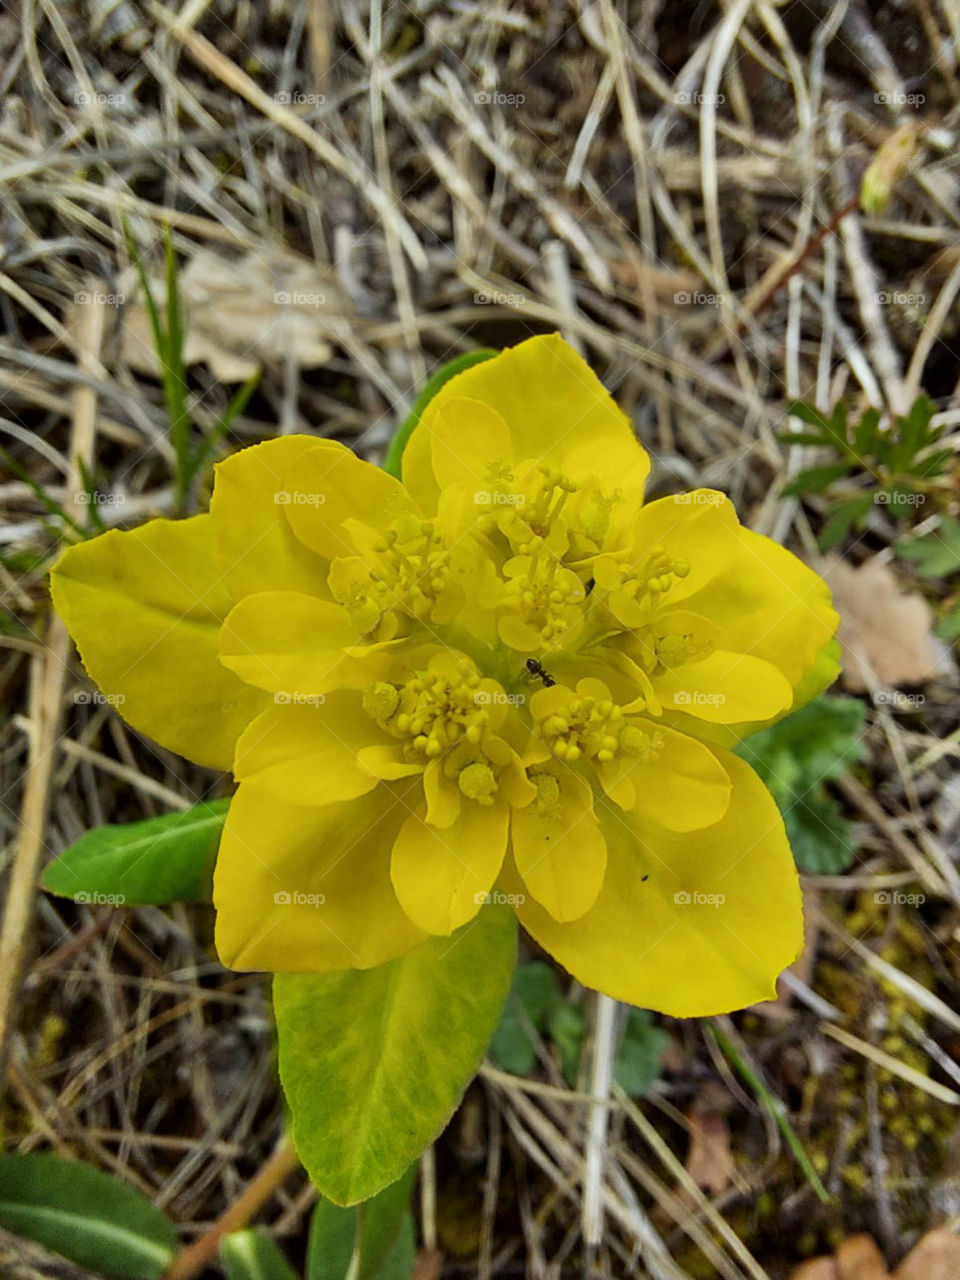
(596, 729)
(651, 579)
(544, 596)
(553, 491)
(429, 714)
(414, 566)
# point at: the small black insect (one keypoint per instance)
(535, 667)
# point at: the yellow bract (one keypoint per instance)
(505, 675)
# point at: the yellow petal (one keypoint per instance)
(708, 930)
(293, 644)
(256, 546)
(441, 877)
(684, 788)
(442, 796)
(557, 411)
(559, 849)
(307, 753)
(277, 861)
(725, 688)
(145, 607)
(330, 484)
(465, 437)
(388, 762)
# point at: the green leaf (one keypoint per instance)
(400, 1262)
(816, 479)
(252, 1255)
(392, 462)
(865, 433)
(379, 1222)
(936, 554)
(639, 1057)
(568, 1024)
(332, 1242)
(948, 626)
(158, 860)
(842, 517)
(819, 835)
(534, 996)
(811, 415)
(84, 1215)
(794, 758)
(373, 1062)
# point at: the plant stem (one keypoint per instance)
(192, 1260)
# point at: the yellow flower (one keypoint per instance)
(504, 676)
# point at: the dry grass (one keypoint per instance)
(383, 152)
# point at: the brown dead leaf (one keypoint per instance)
(817, 1269)
(936, 1257)
(241, 314)
(882, 628)
(709, 1161)
(858, 1258)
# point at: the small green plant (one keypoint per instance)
(795, 758)
(897, 466)
(936, 555)
(169, 336)
(537, 1007)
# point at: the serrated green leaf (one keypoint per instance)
(800, 437)
(252, 1255)
(819, 835)
(373, 1062)
(159, 860)
(816, 479)
(936, 554)
(811, 415)
(865, 433)
(392, 463)
(794, 758)
(84, 1215)
(535, 994)
(842, 517)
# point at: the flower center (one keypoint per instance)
(413, 566)
(597, 730)
(429, 713)
(543, 593)
(653, 576)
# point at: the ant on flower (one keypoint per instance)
(535, 667)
